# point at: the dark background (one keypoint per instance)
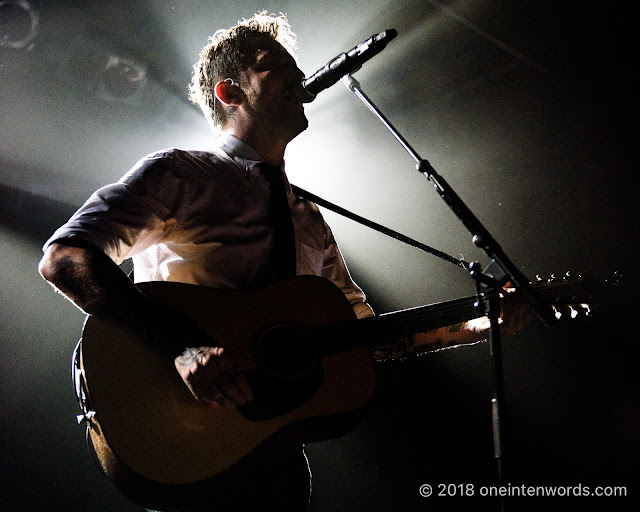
(524, 107)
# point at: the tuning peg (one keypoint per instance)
(617, 278)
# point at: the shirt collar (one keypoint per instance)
(243, 155)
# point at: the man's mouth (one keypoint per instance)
(294, 100)
(297, 93)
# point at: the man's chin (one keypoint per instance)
(298, 127)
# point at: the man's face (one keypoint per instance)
(270, 85)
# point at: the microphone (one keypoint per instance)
(343, 64)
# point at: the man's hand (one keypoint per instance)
(516, 312)
(210, 374)
(515, 315)
(95, 284)
(211, 378)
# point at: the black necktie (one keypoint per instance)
(284, 255)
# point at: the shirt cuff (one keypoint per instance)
(362, 310)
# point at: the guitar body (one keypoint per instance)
(160, 446)
(302, 349)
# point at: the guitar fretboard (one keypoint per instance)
(388, 327)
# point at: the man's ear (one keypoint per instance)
(228, 92)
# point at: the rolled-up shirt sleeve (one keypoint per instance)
(196, 217)
(124, 218)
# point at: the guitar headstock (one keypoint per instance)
(573, 296)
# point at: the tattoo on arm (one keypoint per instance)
(409, 345)
(190, 356)
(395, 348)
(95, 284)
(79, 287)
(455, 327)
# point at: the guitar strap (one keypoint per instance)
(386, 231)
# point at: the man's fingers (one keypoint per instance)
(243, 383)
(235, 386)
(211, 378)
(206, 391)
(230, 388)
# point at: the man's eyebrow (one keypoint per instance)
(275, 54)
(263, 55)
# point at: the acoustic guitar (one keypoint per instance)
(307, 359)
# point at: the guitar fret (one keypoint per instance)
(427, 318)
(391, 326)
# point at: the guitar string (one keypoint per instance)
(341, 336)
(424, 318)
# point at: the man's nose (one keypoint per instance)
(298, 73)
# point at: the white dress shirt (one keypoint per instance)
(202, 218)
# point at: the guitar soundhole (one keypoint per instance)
(290, 372)
(284, 352)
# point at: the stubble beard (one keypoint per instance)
(283, 121)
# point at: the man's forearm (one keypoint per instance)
(94, 283)
(516, 316)
(464, 333)
(97, 286)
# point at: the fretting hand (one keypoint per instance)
(515, 314)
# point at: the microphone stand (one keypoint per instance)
(489, 281)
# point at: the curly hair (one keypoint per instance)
(229, 53)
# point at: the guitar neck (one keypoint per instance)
(388, 327)
(567, 293)
(433, 316)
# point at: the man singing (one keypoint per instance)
(214, 219)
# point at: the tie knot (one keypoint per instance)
(272, 173)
